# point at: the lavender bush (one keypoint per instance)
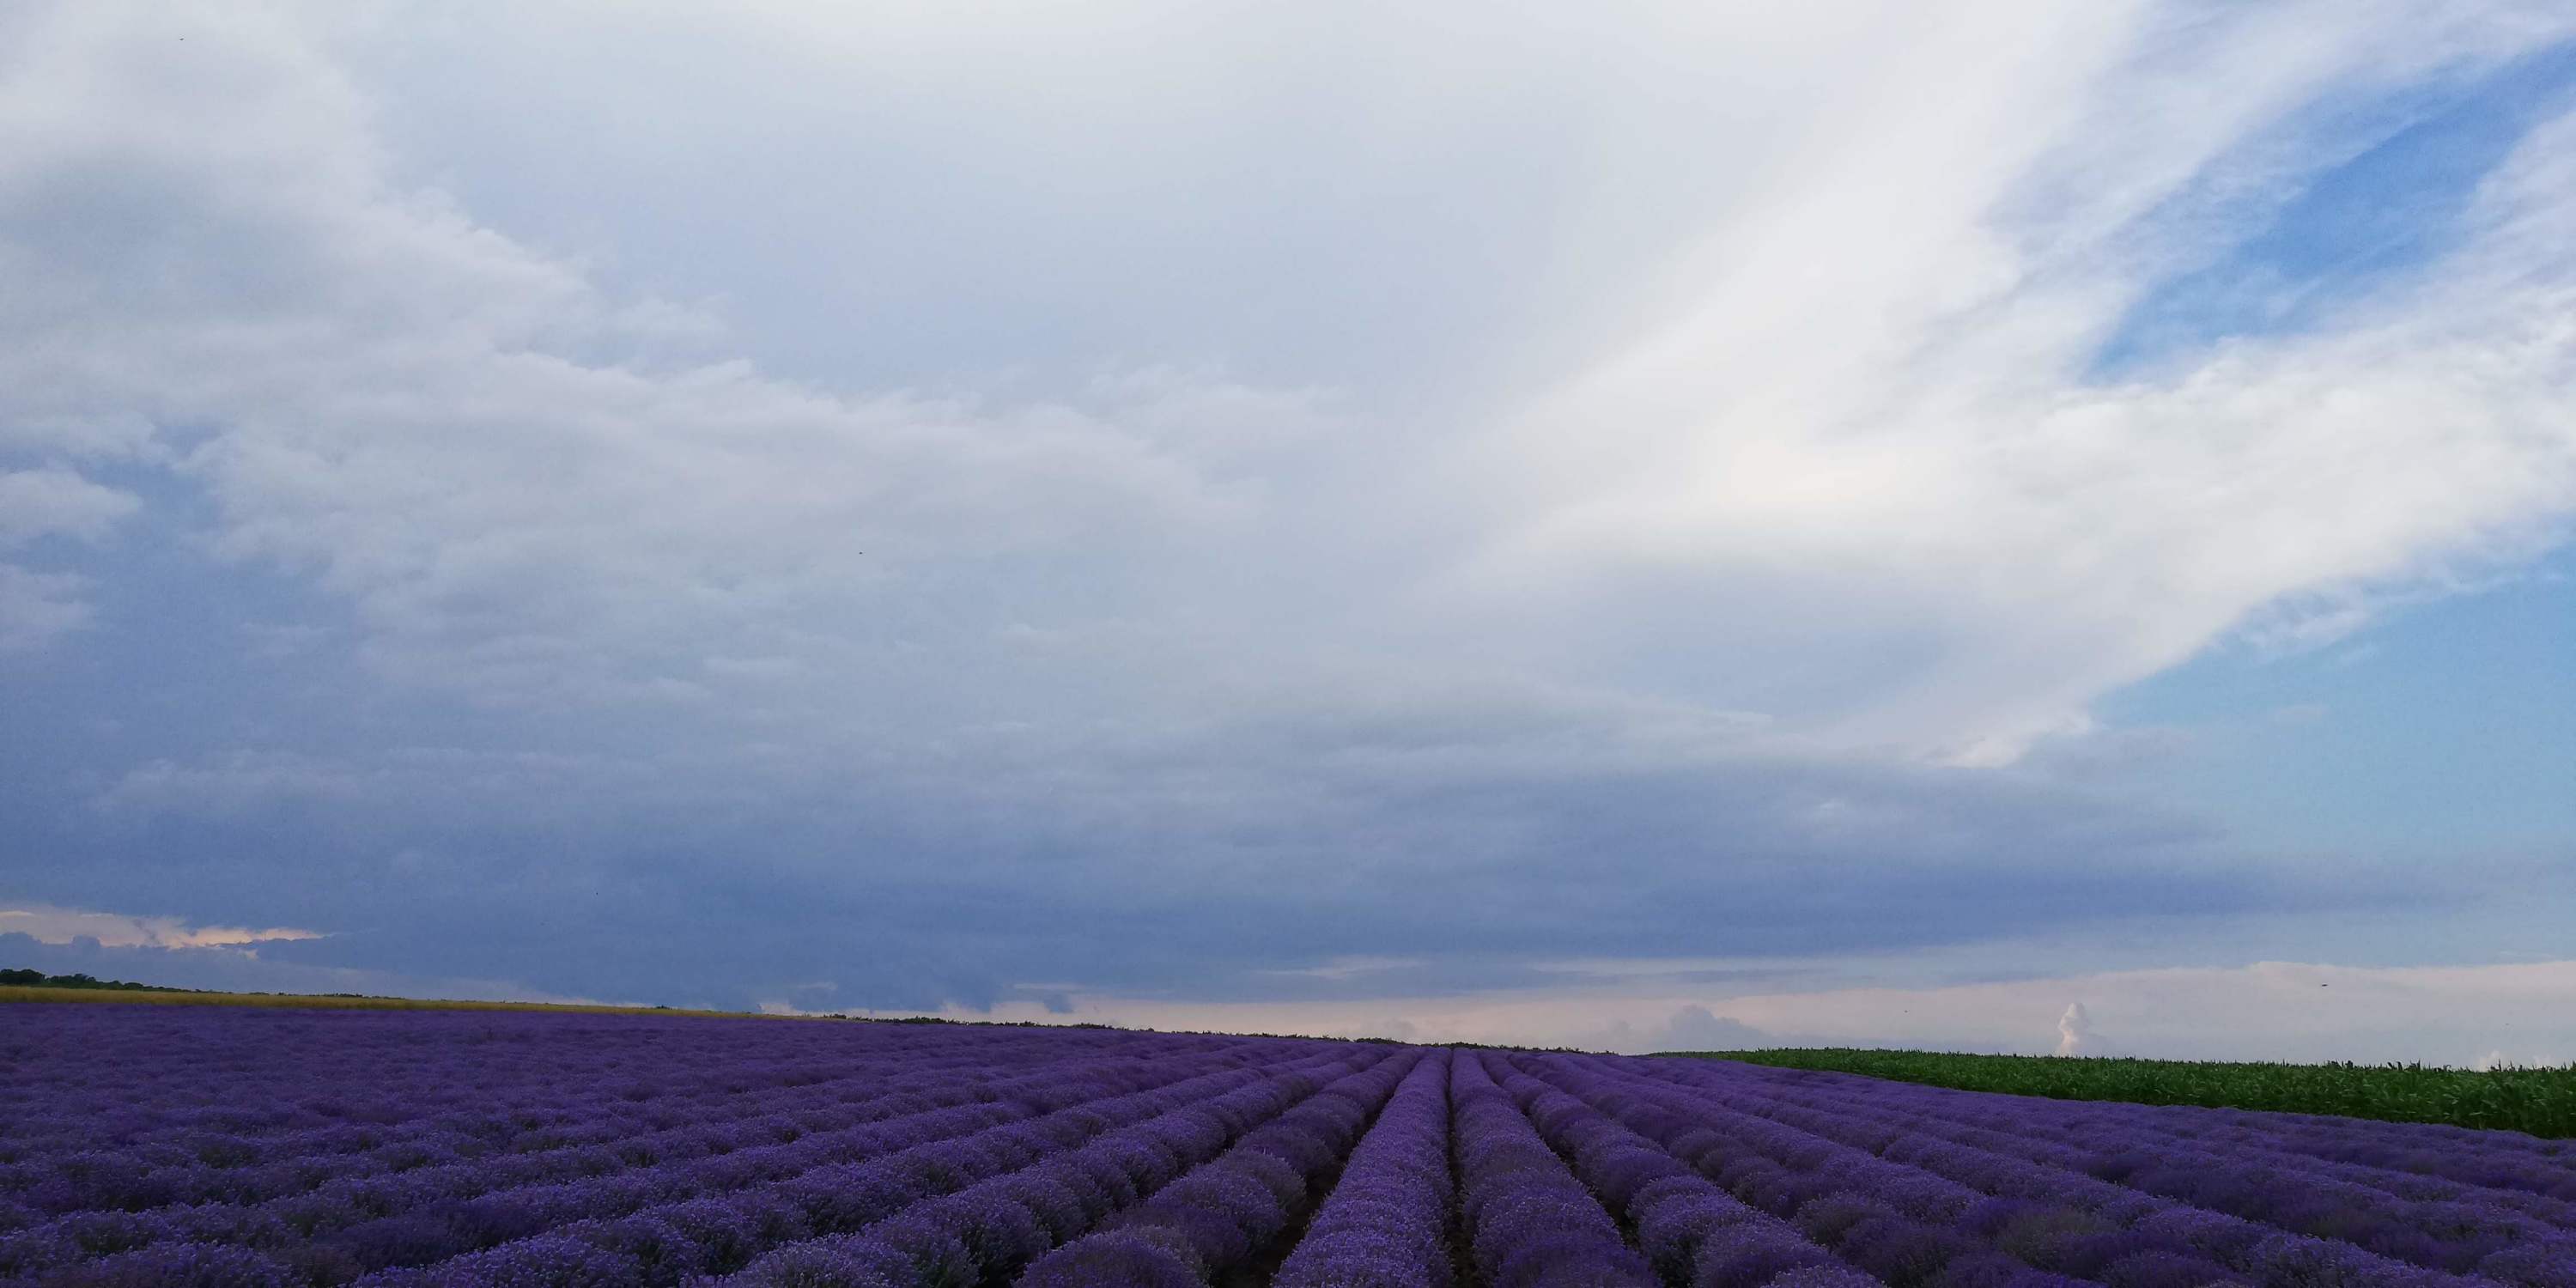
(275, 1148)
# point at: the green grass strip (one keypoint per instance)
(2539, 1101)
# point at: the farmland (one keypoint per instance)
(272, 1146)
(2539, 1101)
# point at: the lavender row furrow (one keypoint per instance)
(2049, 1217)
(738, 1222)
(884, 1093)
(241, 1105)
(1224, 1209)
(1691, 1231)
(574, 1117)
(1525, 1218)
(2500, 1165)
(950, 1210)
(126, 1176)
(1883, 1220)
(209, 1147)
(2489, 1159)
(791, 1196)
(2439, 1224)
(403, 1219)
(2080, 1141)
(1386, 1222)
(2460, 1234)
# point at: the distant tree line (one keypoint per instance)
(39, 979)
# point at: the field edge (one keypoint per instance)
(2537, 1101)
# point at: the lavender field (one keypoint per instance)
(224, 1146)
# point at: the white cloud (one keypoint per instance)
(1691, 1028)
(2267, 1010)
(1662, 403)
(2451, 1015)
(36, 608)
(390, 403)
(46, 502)
(1844, 453)
(1347, 967)
(780, 1006)
(2076, 1035)
(1851, 467)
(397, 781)
(51, 925)
(231, 784)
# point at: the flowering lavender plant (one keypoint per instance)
(275, 1148)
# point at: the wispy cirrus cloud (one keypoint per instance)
(1854, 466)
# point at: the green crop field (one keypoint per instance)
(2539, 1101)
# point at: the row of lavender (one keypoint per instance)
(252, 1148)
(270, 1147)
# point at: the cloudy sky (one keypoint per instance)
(1633, 524)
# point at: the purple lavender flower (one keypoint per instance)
(240, 1149)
